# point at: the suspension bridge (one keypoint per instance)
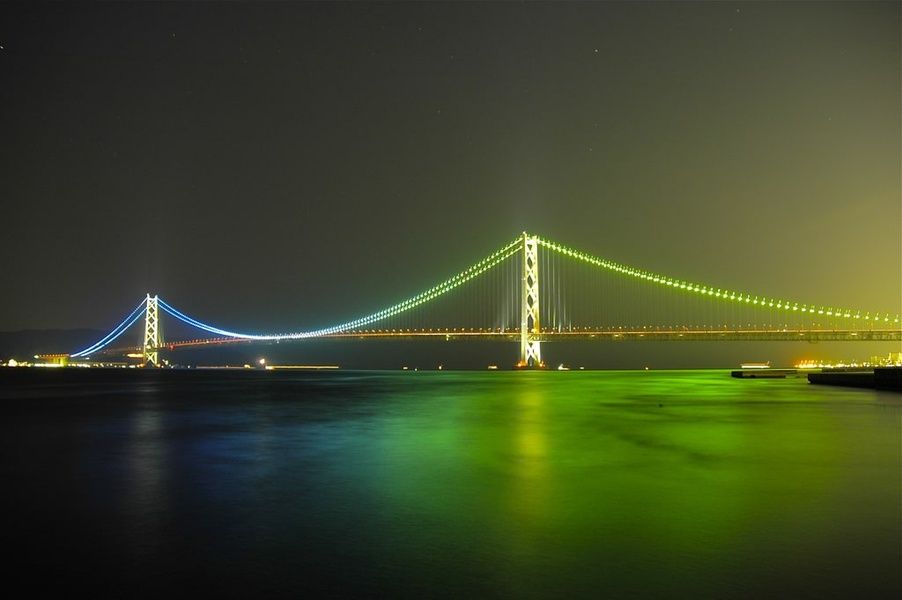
(532, 291)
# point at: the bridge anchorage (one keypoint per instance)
(532, 291)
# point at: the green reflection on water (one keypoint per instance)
(688, 481)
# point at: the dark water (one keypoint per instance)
(589, 484)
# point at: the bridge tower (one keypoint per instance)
(530, 350)
(152, 334)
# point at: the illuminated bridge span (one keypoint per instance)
(580, 297)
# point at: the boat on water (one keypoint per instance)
(761, 370)
(755, 365)
(763, 373)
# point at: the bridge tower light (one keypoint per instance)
(152, 335)
(530, 345)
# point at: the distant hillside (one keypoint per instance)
(26, 343)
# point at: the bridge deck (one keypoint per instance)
(641, 335)
(612, 335)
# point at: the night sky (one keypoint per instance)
(283, 166)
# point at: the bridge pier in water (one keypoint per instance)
(530, 346)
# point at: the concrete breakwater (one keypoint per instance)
(880, 378)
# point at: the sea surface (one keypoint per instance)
(615, 484)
